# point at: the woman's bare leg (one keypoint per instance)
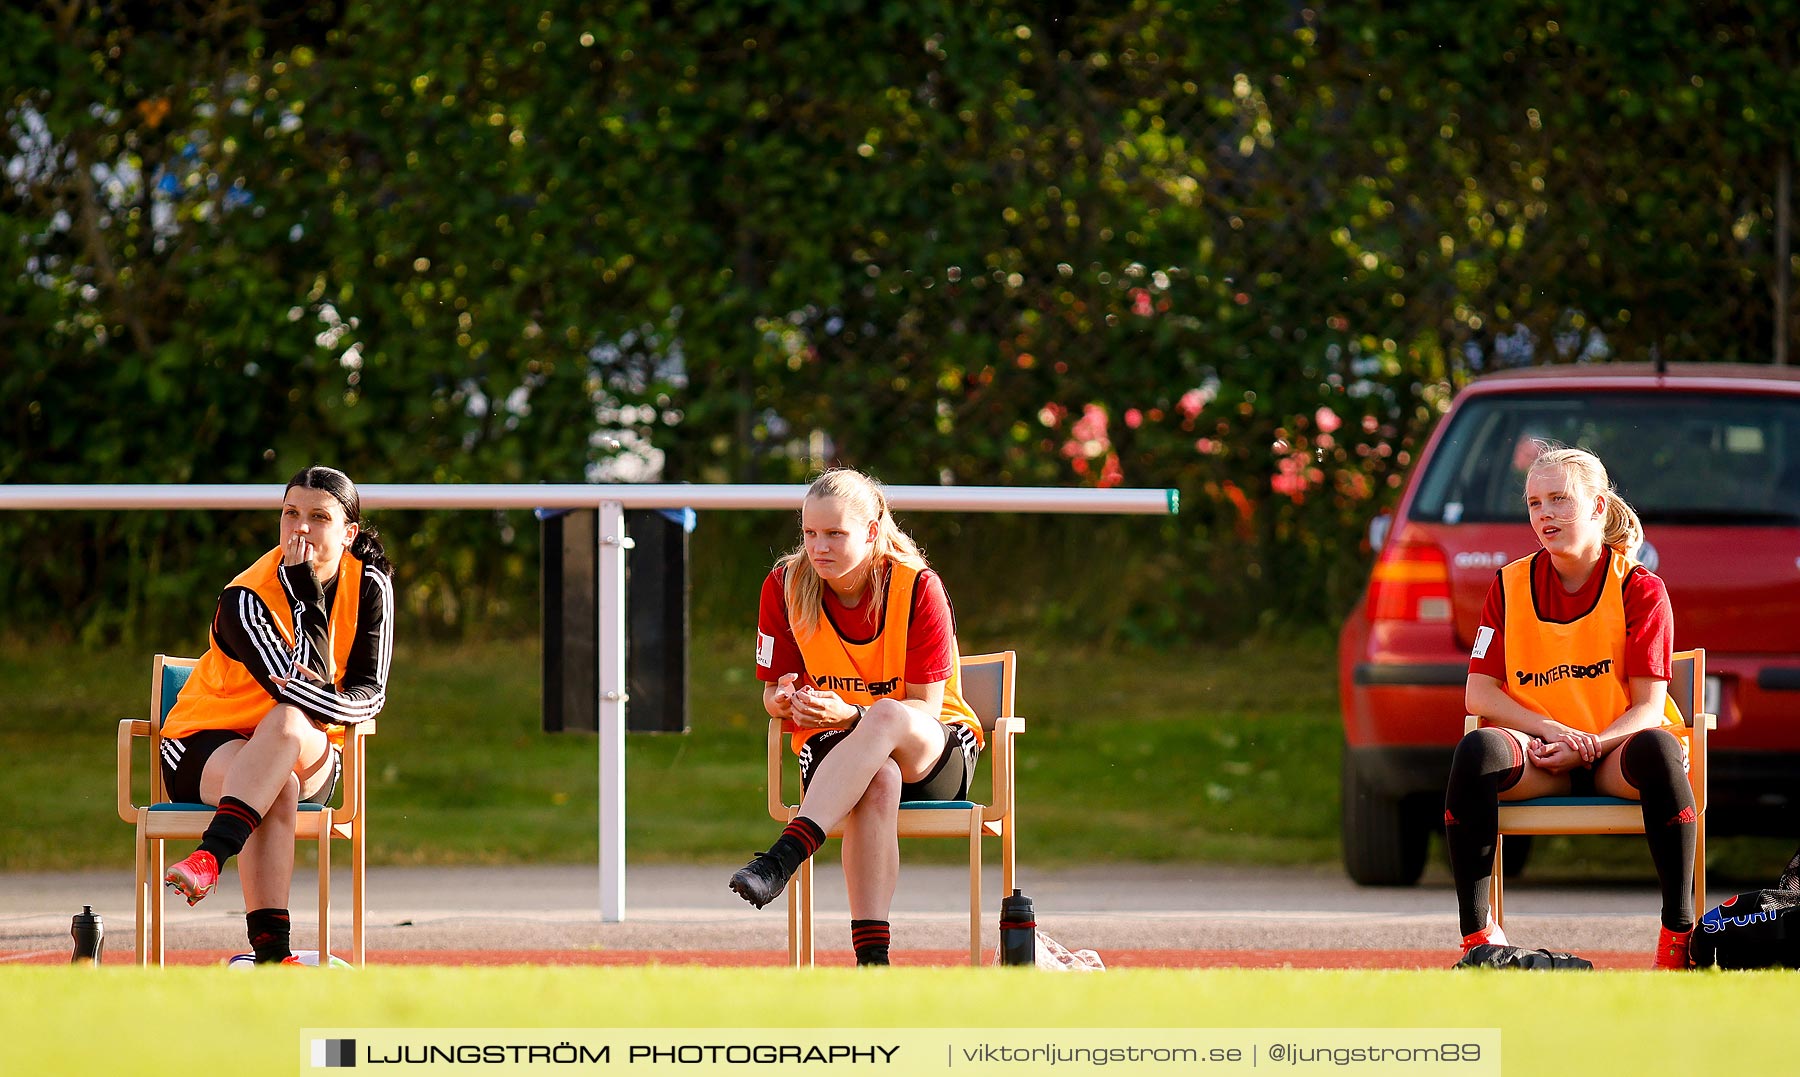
(871, 847)
(285, 743)
(890, 731)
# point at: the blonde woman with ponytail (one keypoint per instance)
(856, 647)
(1570, 670)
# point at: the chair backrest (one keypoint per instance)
(168, 675)
(987, 685)
(1687, 683)
(172, 676)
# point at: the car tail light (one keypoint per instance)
(1411, 583)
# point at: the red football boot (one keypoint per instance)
(194, 877)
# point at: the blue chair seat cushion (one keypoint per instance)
(1570, 802)
(178, 806)
(937, 805)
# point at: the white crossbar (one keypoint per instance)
(1147, 502)
(610, 500)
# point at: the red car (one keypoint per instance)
(1709, 456)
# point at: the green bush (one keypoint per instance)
(1239, 250)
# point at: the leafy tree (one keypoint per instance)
(1241, 250)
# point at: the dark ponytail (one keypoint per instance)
(367, 545)
(367, 549)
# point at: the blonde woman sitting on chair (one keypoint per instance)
(856, 644)
(1570, 671)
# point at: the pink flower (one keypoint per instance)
(1092, 424)
(1327, 419)
(1087, 436)
(1140, 303)
(1134, 418)
(1293, 476)
(1191, 402)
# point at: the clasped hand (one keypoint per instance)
(809, 707)
(1564, 749)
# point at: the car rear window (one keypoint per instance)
(1713, 458)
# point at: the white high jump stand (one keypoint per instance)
(611, 501)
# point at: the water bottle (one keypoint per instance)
(87, 930)
(1018, 931)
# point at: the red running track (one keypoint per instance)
(1115, 959)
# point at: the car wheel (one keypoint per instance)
(1385, 843)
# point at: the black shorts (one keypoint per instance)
(949, 779)
(1581, 783)
(184, 760)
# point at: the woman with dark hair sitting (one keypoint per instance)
(300, 646)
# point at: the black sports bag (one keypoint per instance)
(1493, 956)
(1755, 930)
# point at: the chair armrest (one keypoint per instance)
(778, 729)
(356, 772)
(128, 728)
(1000, 739)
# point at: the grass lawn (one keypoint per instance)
(1201, 754)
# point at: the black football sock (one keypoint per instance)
(1486, 762)
(800, 840)
(1651, 761)
(269, 934)
(231, 826)
(870, 937)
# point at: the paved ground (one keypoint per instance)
(675, 909)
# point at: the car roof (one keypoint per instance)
(1714, 377)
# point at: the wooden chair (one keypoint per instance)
(987, 686)
(1615, 815)
(161, 820)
